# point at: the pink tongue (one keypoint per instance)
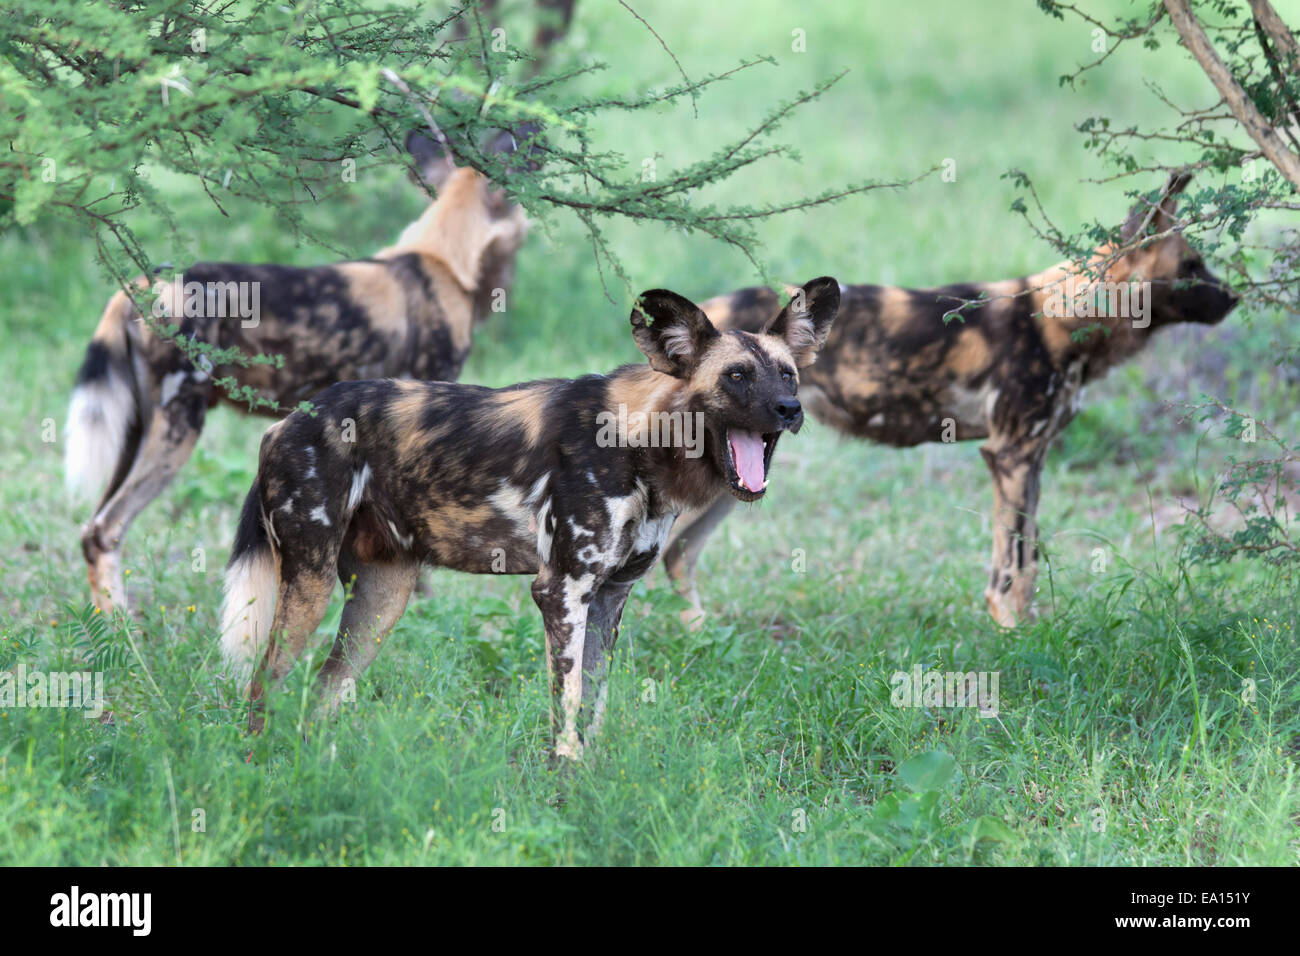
(747, 453)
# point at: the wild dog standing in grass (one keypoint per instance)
(1010, 371)
(529, 479)
(140, 403)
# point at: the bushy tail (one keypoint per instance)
(251, 585)
(104, 415)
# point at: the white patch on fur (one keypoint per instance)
(622, 511)
(576, 592)
(969, 406)
(516, 507)
(404, 540)
(535, 492)
(652, 533)
(171, 385)
(1074, 382)
(544, 536)
(508, 500)
(591, 554)
(98, 418)
(629, 507)
(359, 481)
(990, 402)
(247, 611)
(319, 516)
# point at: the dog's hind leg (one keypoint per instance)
(1017, 471)
(166, 444)
(683, 551)
(378, 597)
(303, 599)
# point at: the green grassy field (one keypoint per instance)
(769, 737)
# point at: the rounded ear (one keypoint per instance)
(1177, 182)
(672, 331)
(434, 163)
(523, 144)
(518, 151)
(1163, 217)
(806, 320)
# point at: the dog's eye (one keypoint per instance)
(737, 376)
(787, 376)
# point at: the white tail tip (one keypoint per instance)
(98, 418)
(247, 611)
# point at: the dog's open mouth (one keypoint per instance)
(748, 456)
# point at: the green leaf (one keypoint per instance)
(29, 196)
(928, 771)
(921, 810)
(886, 808)
(989, 828)
(365, 81)
(493, 607)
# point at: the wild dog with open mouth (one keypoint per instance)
(521, 480)
(140, 403)
(1009, 371)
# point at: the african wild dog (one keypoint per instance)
(409, 310)
(1010, 371)
(518, 480)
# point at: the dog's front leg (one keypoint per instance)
(1016, 471)
(563, 600)
(603, 616)
(684, 546)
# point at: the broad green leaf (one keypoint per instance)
(928, 771)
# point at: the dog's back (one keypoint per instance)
(280, 334)
(900, 366)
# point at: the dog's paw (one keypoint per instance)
(1007, 611)
(693, 618)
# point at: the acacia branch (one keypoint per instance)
(1277, 31)
(685, 79)
(1259, 129)
(1274, 49)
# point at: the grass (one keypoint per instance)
(1122, 736)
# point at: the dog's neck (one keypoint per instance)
(495, 279)
(459, 232)
(638, 394)
(1102, 341)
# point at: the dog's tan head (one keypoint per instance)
(1182, 288)
(744, 385)
(473, 226)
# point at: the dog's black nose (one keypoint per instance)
(787, 409)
